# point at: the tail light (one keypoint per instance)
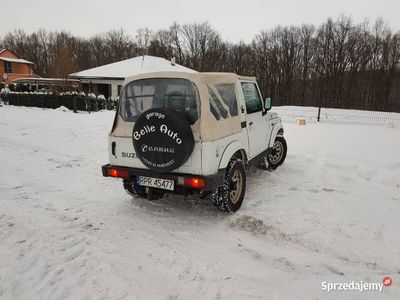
(113, 172)
(194, 182)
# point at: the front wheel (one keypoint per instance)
(278, 153)
(229, 197)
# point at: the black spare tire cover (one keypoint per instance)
(163, 139)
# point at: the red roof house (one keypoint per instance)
(12, 67)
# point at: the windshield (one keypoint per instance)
(174, 93)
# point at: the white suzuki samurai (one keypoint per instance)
(186, 133)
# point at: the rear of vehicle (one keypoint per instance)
(141, 156)
(188, 133)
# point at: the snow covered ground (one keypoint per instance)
(330, 213)
(334, 115)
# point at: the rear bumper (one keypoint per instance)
(210, 182)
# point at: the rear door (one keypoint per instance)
(255, 121)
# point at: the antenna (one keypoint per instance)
(173, 61)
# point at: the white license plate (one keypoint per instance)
(165, 184)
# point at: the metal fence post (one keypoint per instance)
(319, 114)
(75, 104)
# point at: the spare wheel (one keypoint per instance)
(163, 139)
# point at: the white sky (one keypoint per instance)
(235, 20)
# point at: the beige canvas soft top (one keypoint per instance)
(207, 127)
(195, 76)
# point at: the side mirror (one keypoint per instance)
(267, 103)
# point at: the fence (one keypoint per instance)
(335, 115)
(287, 113)
(71, 102)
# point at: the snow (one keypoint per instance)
(330, 213)
(131, 67)
(62, 108)
(16, 60)
(334, 115)
(5, 90)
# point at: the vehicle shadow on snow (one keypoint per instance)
(193, 206)
(178, 206)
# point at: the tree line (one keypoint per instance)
(336, 64)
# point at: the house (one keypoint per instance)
(12, 67)
(108, 79)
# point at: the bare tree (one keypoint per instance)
(143, 38)
(162, 44)
(337, 64)
(202, 45)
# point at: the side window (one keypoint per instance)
(227, 92)
(251, 97)
(223, 102)
(8, 67)
(216, 107)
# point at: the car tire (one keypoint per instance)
(229, 197)
(277, 155)
(134, 190)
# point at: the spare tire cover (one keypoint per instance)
(163, 139)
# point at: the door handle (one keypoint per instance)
(251, 123)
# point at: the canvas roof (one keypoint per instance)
(206, 128)
(131, 67)
(194, 76)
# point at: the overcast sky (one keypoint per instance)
(235, 20)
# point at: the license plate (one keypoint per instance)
(165, 184)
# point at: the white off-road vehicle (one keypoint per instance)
(188, 133)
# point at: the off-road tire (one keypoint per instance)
(134, 190)
(277, 155)
(229, 197)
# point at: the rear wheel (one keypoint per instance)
(134, 190)
(229, 197)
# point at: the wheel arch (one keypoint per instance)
(277, 129)
(233, 149)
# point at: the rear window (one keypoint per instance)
(174, 93)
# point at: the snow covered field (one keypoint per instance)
(335, 115)
(330, 213)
